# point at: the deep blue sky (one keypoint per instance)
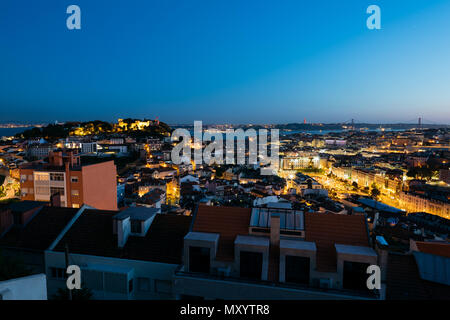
(221, 61)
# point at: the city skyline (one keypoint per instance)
(253, 62)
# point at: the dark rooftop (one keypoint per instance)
(25, 205)
(404, 283)
(40, 231)
(92, 234)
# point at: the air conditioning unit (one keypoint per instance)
(325, 283)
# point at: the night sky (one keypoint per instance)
(234, 61)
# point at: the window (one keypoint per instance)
(251, 264)
(75, 205)
(144, 284)
(93, 278)
(75, 192)
(116, 282)
(24, 191)
(74, 179)
(30, 177)
(199, 259)
(42, 190)
(297, 269)
(58, 273)
(355, 275)
(55, 190)
(41, 177)
(136, 226)
(56, 176)
(163, 286)
(23, 178)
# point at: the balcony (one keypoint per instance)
(212, 286)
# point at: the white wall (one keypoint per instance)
(154, 271)
(26, 288)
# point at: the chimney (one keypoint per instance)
(275, 229)
(381, 248)
(123, 231)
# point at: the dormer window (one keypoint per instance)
(199, 259)
(355, 275)
(251, 265)
(297, 269)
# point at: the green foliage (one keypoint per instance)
(2, 192)
(220, 170)
(420, 173)
(312, 170)
(375, 193)
(53, 132)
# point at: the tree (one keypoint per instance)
(375, 193)
(2, 192)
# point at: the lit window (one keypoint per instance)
(75, 192)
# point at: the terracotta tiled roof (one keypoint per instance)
(227, 221)
(326, 230)
(436, 248)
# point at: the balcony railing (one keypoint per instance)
(293, 286)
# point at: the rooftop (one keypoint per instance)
(227, 221)
(92, 234)
(326, 230)
(137, 213)
(40, 231)
(436, 248)
(25, 205)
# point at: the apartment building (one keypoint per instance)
(300, 162)
(39, 150)
(73, 183)
(270, 253)
(367, 177)
(413, 202)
